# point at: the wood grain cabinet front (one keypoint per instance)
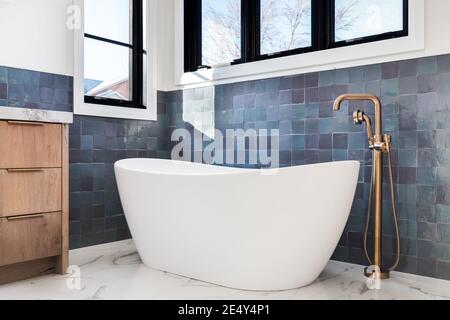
(29, 191)
(30, 145)
(34, 199)
(27, 238)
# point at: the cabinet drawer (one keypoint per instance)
(30, 145)
(29, 191)
(27, 238)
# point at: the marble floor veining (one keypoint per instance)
(114, 271)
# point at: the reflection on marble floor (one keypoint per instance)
(114, 271)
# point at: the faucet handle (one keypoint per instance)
(358, 117)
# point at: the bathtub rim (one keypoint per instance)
(218, 170)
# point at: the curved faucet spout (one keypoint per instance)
(364, 97)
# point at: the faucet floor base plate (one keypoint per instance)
(382, 275)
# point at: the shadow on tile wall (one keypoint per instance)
(96, 214)
(416, 99)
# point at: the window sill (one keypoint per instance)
(343, 57)
(96, 110)
(303, 63)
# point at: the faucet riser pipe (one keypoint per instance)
(378, 196)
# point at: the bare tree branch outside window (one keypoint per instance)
(362, 18)
(344, 17)
(221, 31)
(285, 25)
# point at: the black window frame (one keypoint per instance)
(137, 53)
(322, 24)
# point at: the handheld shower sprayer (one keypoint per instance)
(380, 144)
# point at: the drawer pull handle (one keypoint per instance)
(25, 123)
(23, 170)
(25, 217)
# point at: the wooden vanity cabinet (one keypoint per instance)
(34, 201)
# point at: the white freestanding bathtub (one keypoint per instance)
(245, 229)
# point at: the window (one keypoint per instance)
(285, 25)
(115, 53)
(219, 32)
(356, 20)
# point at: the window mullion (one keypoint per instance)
(137, 58)
(192, 34)
(110, 41)
(250, 30)
(329, 22)
(322, 29)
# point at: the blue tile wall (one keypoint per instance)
(35, 90)
(416, 112)
(96, 214)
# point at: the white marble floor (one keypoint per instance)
(114, 271)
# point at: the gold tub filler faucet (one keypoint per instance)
(380, 144)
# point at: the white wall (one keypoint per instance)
(437, 22)
(33, 35)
